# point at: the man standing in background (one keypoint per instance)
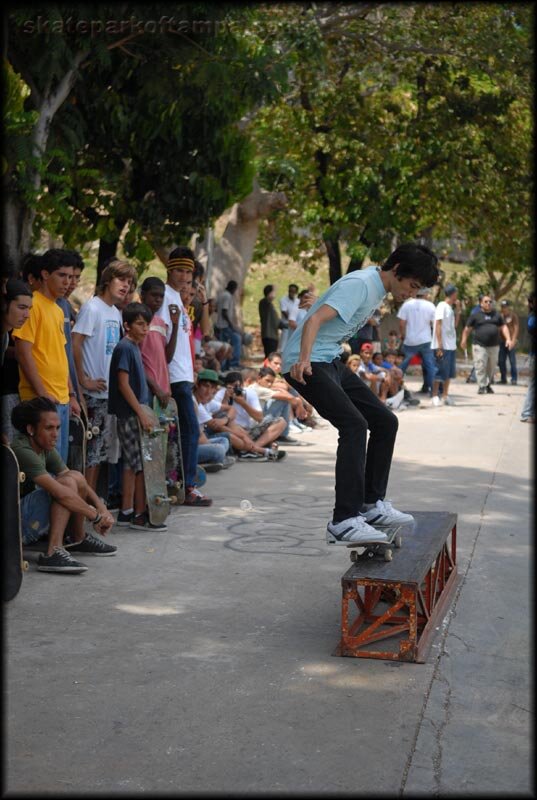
(511, 320)
(486, 325)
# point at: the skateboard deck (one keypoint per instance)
(169, 419)
(154, 469)
(78, 434)
(14, 563)
(374, 549)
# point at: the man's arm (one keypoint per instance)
(505, 331)
(174, 320)
(438, 332)
(70, 499)
(309, 333)
(464, 336)
(85, 382)
(127, 392)
(516, 330)
(250, 410)
(24, 355)
(402, 329)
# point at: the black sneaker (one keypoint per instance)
(59, 561)
(412, 401)
(288, 440)
(482, 390)
(141, 522)
(276, 455)
(114, 502)
(93, 546)
(124, 520)
(489, 390)
(214, 466)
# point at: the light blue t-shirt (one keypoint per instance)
(354, 296)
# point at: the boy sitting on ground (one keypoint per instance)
(244, 419)
(53, 496)
(213, 450)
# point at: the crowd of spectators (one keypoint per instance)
(129, 346)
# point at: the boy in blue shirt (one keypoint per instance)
(312, 365)
(127, 393)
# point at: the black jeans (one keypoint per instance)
(269, 346)
(362, 467)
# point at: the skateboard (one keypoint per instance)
(78, 435)
(14, 563)
(101, 489)
(154, 469)
(373, 549)
(169, 419)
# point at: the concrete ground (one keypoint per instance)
(199, 660)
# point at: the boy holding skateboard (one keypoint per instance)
(127, 393)
(312, 365)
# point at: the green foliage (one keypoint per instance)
(149, 139)
(402, 119)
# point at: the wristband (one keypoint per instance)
(72, 394)
(97, 519)
(205, 304)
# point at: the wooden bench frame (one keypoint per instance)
(417, 589)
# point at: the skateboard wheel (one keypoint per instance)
(25, 566)
(22, 477)
(95, 429)
(89, 435)
(398, 541)
(173, 499)
(388, 555)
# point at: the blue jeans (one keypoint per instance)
(215, 452)
(62, 445)
(235, 340)
(190, 429)
(279, 408)
(35, 515)
(528, 409)
(427, 360)
(503, 356)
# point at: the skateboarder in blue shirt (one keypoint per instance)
(312, 364)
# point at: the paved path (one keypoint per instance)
(200, 659)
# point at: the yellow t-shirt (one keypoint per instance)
(44, 329)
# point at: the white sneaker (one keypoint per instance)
(353, 531)
(383, 513)
(449, 401)
(435, 401)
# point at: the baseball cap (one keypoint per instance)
(449, 289)
(505, 303)
(366, 347)
(209, 375)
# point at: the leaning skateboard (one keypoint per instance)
(374, 549)
(154, 469)
(14, 564)
(169, 419)
(78, 435)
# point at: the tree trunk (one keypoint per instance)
(16, 236)
(106, 250)
(354, 264)
(334, 257)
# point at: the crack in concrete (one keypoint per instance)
(436, 675)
